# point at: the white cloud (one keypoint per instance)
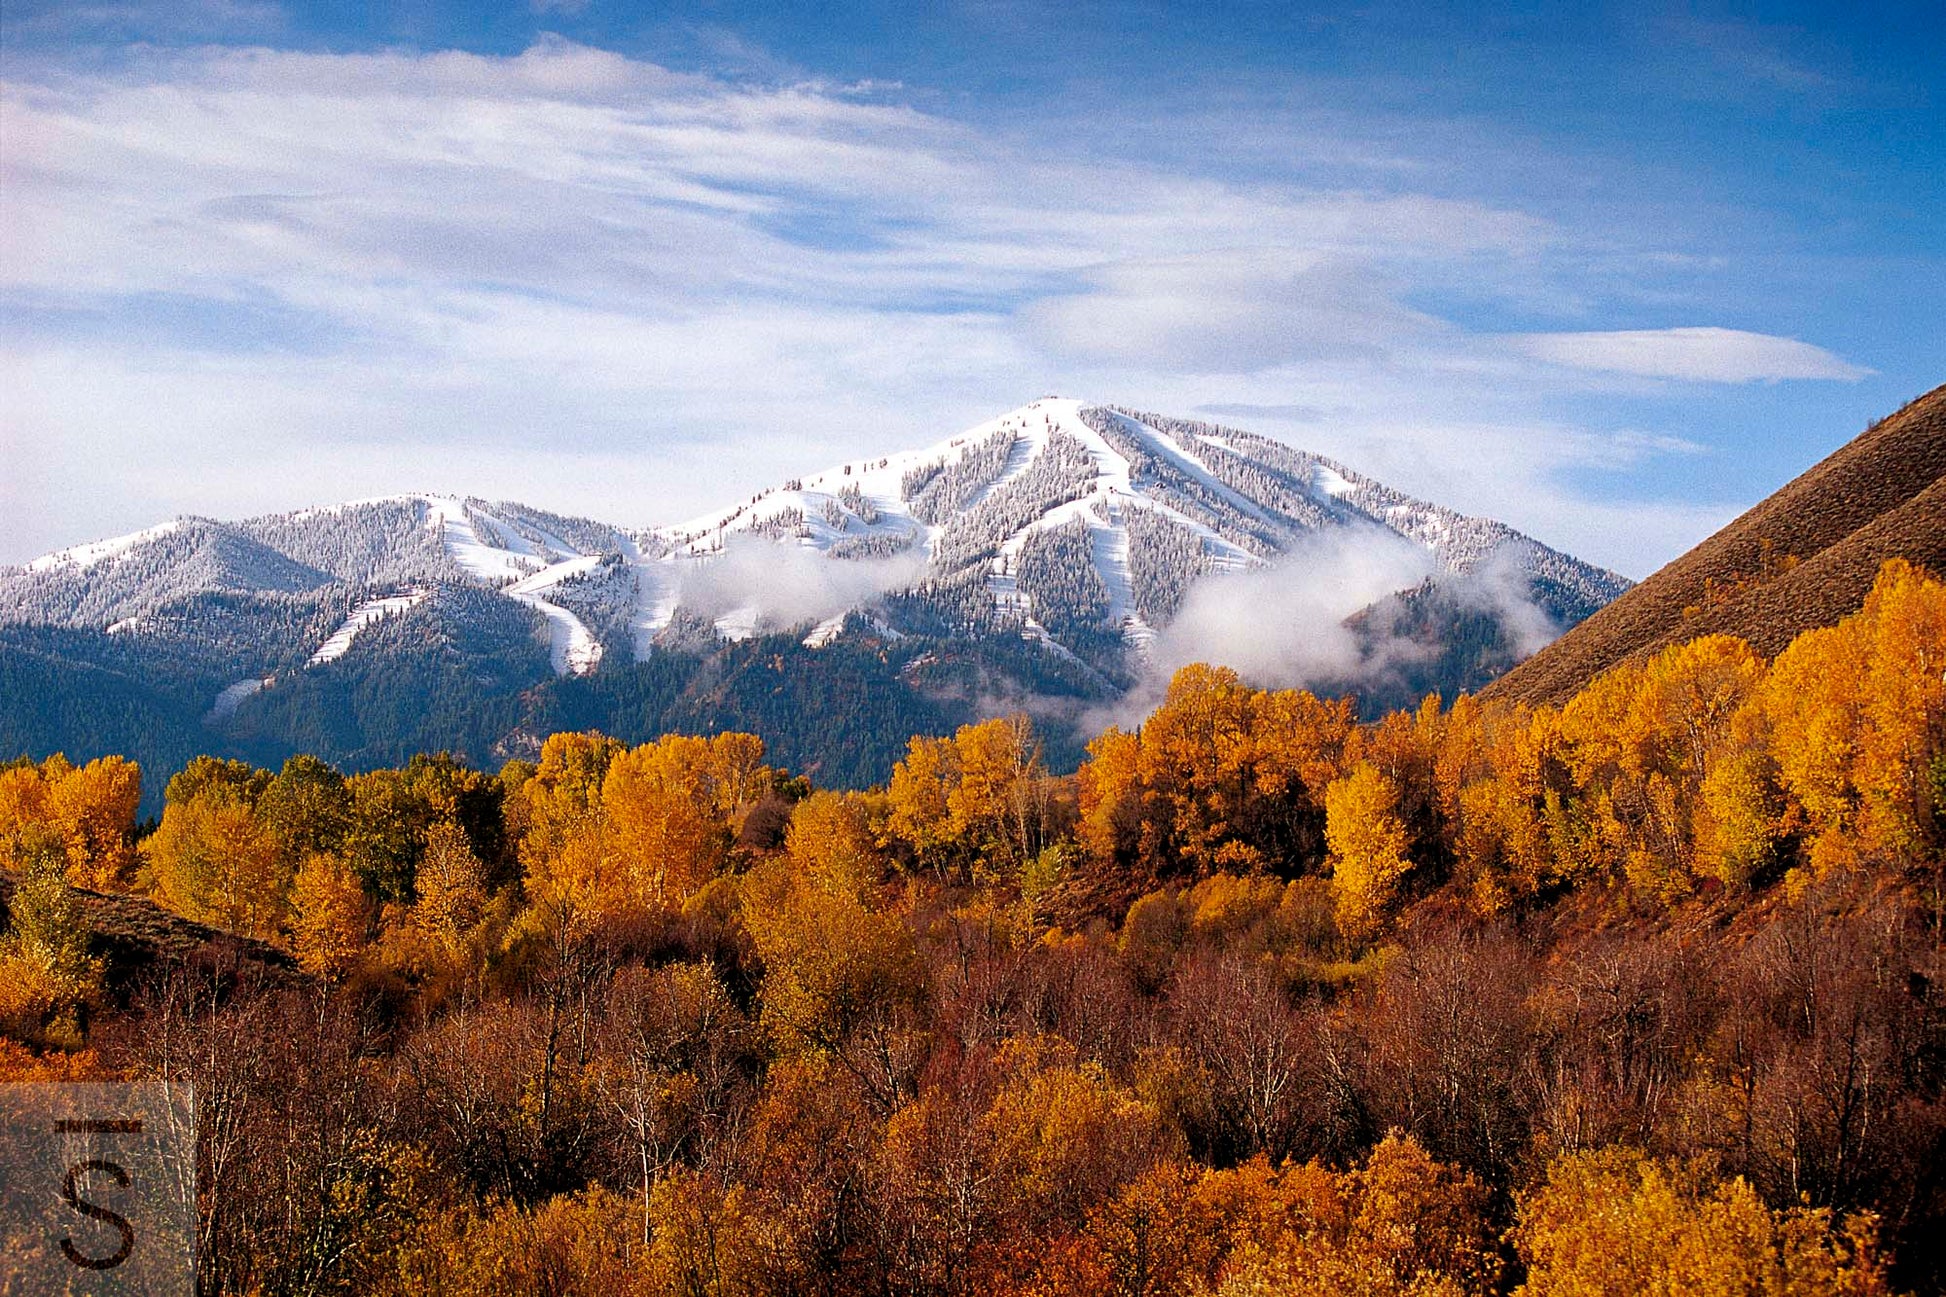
(1697, 355)
(789, 585)
(1284, 625)
(1229, 312)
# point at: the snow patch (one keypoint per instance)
(365, 614)
(232, 697)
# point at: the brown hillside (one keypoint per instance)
(1804, 557)
(132, 934)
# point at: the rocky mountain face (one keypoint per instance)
(1035, 557)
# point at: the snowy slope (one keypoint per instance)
(372, 610)
(86, 556)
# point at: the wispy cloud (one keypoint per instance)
(1696, 355)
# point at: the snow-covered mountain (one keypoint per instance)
(1060, 520)
(1073, 532)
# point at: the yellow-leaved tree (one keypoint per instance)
(830, 838)
(451, 884)
(1368, 848)
(673, 808)
(211, 859)
(330, 915)
(1857, 722)
(1618, 1221)
(919, 797)
(89, 810)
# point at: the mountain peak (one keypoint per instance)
(1155, 502)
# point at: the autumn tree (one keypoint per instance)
(211, 858)
(919, 799)
(672, 809)
(830, 837)
(999, 802)
(1858, 719)
(1368, 844)
(46, 971)
(674, 1042)
(451, 886)
(979, 798)
(330, 915)
(838, 977)
(1221, 776)
(1615, 1220)
(89, 810)
(1643, 742)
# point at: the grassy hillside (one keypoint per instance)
(1803, 557)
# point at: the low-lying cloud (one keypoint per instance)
(785, 585)
(1283, 625)
(1296, 624)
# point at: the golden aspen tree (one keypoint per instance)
(997, 801)
(89, 810)
(1111, 796)
(308, 805)
(571, 870)
(1419, 1216)
(1510, 833)
(1904, 710)
(1368, 845)
(666, 818)
(45, 968)
(211, 859)
(1197, 751)
(830, 838)
(93, 809)
(919, 798)
(830, 963)
(452, 886)
(1460, 760)
(330, 916)
(564, 792)
(1737, 818)
(1856, 715)
(1614, 1220)
(705, 1242)
(1220, 777)
(23, 798)
(1813, 701)
(1064, 1135)
(1642, 741)
(737, 777)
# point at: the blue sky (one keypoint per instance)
(1608, 272)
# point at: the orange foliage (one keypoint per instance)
(87, 812)
(1221, 776)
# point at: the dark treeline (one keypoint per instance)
(1640, 994)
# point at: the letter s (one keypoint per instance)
(86, 1208)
